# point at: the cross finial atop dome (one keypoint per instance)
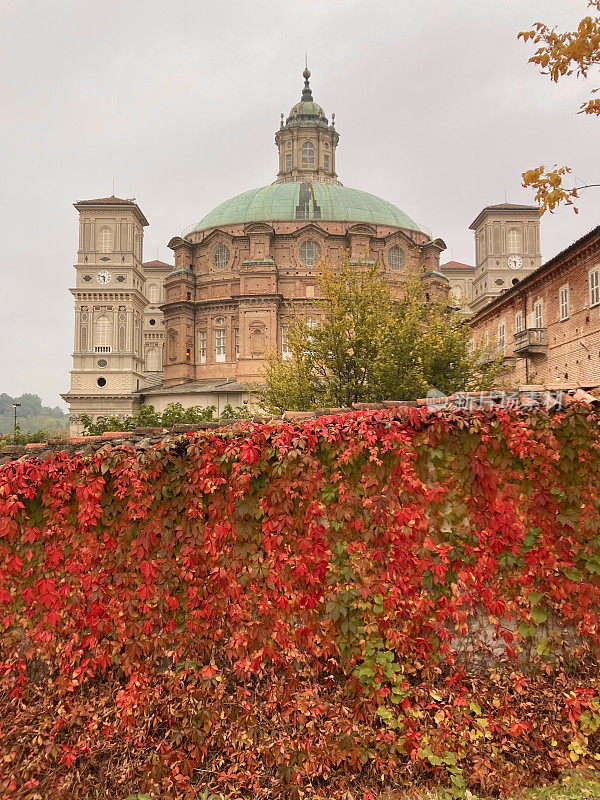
(307, 91)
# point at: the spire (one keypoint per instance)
(307, 91)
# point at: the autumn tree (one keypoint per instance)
(559, 55)
(367, 347)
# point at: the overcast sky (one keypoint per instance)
(437, 108)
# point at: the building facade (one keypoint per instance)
(119, 327)
(250, 265)
(547, 327)
(198, 332)
(460, 280)
(507, 249)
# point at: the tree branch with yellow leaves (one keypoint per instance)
(560, 55)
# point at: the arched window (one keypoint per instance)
(395, 257)
(497, 240)
(220, 341)
(286, 350)
(103, 334)
(153, 360)
(153, 293)
(105, 240)
(514, 243)
(308, 154)
(310, 252)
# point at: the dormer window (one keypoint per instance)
(308, 154)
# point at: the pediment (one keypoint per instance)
(176, 242)
(400, 236)
(309, 228)
(437, 244)
(258, 228)
(362, 229)
(216, 233)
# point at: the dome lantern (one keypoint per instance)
(306, 142)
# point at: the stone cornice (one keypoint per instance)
(178, 305)
(271, 296)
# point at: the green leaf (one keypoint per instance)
(539, 615)
(526, 630)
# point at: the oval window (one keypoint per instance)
(152, 322)
(220, 256)
(396, 257)
(102, 362)
(310, 252)
(101, 381)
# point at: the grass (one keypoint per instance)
(573, 786)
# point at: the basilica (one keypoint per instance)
(197, 331)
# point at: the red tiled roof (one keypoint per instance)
(456, 265)
(503, 207)
(107, 201)
(512, 207)
(157, 263)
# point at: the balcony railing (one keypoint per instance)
(102, 349)
(532, 341)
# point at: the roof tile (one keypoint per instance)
(107, 201)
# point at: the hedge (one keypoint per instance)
(366, 601)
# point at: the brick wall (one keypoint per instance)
(572, 351)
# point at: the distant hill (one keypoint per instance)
(31, 416)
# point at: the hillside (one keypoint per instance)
(31, 415)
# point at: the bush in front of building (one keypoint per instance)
(367, 346)
(374, 600)
(19, 438)
(147, 417)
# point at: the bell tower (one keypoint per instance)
(109, 310)
(507, 249)
(307, 142)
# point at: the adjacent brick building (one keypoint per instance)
(548, 325)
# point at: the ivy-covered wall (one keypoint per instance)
(370, 600)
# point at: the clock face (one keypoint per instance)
(515, 262)
(103, 276)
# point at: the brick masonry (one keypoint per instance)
(573, 342)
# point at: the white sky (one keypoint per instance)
(437, 108)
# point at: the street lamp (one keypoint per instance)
(15, 406)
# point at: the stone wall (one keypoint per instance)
(141, 439)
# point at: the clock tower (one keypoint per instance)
(109, 310)
(507, 248)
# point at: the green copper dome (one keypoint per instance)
(308, 108)
(305, 201)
